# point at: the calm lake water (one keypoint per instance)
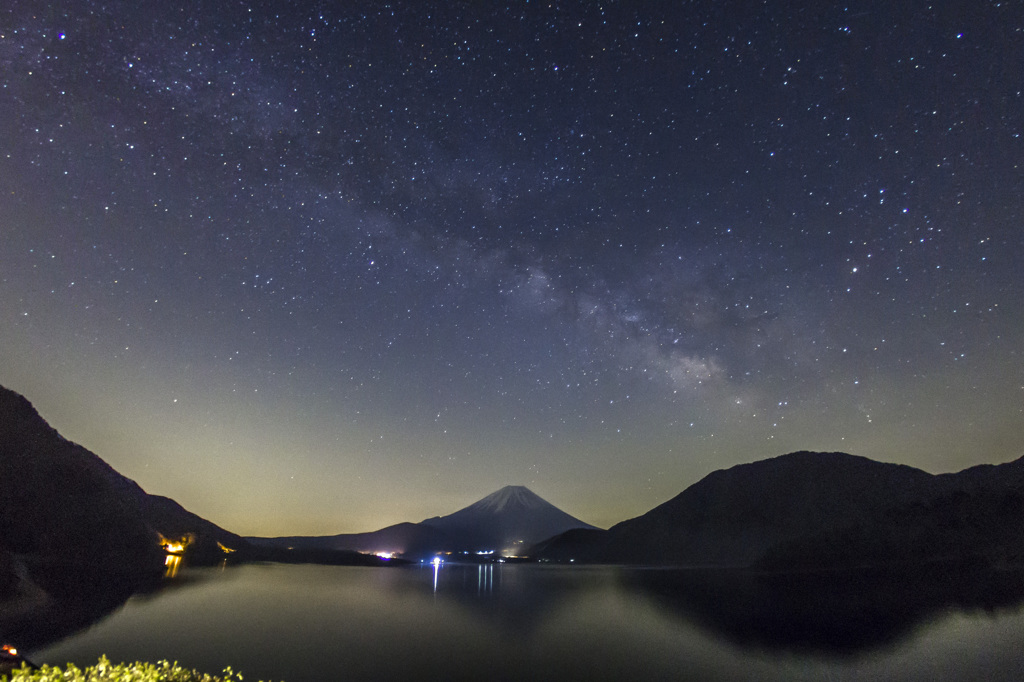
(305, 622)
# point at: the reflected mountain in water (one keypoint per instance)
(834, 613)
(516, 599)
(538, 622)
(75, 597)
(829, 613)
(80, 596)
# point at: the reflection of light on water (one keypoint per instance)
(484, 578)
(437, 569)
(171, 565)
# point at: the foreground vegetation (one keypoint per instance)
(105, 671)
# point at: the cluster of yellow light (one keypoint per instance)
(176, 546)
(226, 550)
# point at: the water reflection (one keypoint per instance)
(172, 563)
(831, 614)
(839, 613)
(484, 579)
(73, 598)
(537, 622)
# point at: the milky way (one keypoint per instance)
(322, 268)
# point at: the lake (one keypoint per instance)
(510, 621)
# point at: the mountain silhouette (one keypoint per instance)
(815, 510)
(508, 520)
(505, 522)
(69, 521)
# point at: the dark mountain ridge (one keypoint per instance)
(811, 509)
(61, 506)
(400, 539)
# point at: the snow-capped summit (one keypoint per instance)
(508, 519)
(509, 497)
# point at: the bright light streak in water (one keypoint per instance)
(172, 562)
(437, 568)
(485, 579)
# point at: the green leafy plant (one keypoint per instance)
(105, 671)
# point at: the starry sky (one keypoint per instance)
(314, 268)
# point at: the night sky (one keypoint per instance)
(324, 268)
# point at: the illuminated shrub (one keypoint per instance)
(105, 671)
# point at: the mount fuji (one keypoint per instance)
(506, 521)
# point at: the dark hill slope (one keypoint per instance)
(60, 503)
(974, 516)
(734, 516)
(811, 509)
(208, 539)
